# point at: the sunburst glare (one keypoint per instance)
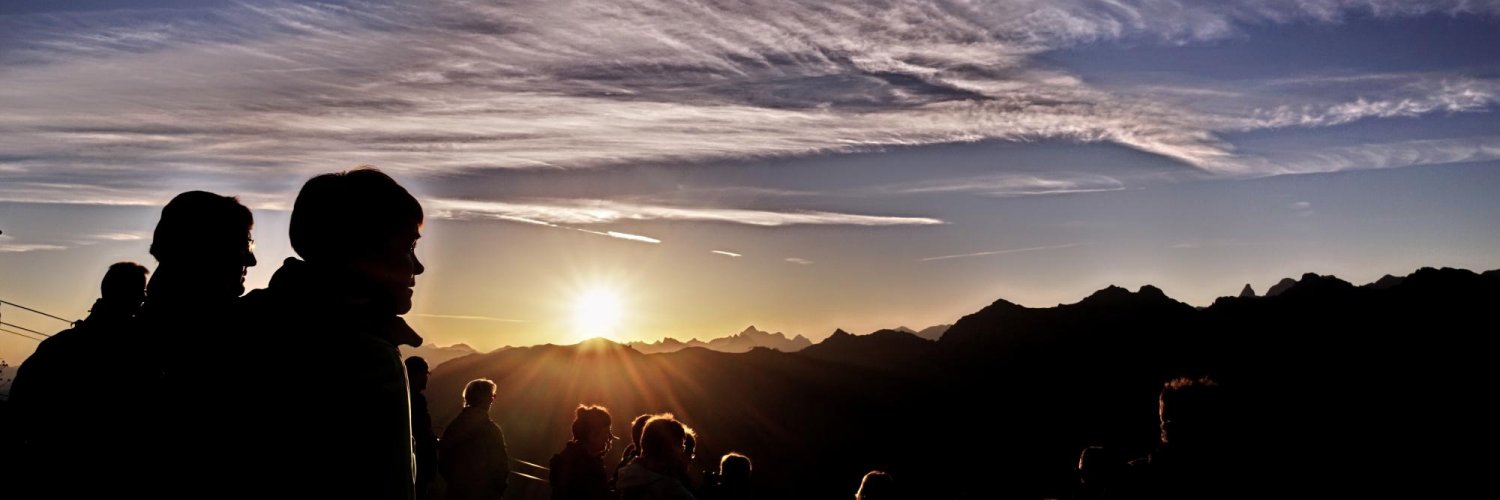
(597, 313)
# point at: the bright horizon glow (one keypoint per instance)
(597, 313)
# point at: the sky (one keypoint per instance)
(799, 166)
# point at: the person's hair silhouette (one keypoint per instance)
(125, 284)
(479, 393)
(1191, 412)
(734, 470)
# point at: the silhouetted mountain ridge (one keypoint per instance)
(1304, 367)
(744, 341)
(436, 355)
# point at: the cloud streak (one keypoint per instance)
(605, 212)
(998, 252)
(28, 247)
(727, 254)
(1008, 185)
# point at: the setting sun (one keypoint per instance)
(596, 313)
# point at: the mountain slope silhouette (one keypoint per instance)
(1338, 390)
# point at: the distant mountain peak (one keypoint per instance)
(1107, 294)
(1247, 292)
(904, 329)
(1386, 282)
(1114, 295)
(934, 332)
(746, 340)
(1152, 292)
(1281, 286)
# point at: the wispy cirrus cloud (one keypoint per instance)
(288, 89)
(798, 260)
(1006, 185)
(8, 245)
(727, 254)
(1419, 96)
(604, 211)
(28, 247)
(1395, 154)
(999, 252)
(524, 220)
(118, 236)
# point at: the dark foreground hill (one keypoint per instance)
(1338, 390)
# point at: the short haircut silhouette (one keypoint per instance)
(588, 418)
(348, 214)
(662, 438)
(1190, 410)
(734, 469)
(125, 283)
(478, 392)
(416, 364)
(199, 226)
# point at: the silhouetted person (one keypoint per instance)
(120, 295)
(731, 481)
(633, 449)
(424, 442)
(577, 472)
(660, 471)
(1099, 474)
(1192, 460)
(189, 343)
(338, 409)
(877, 485)
(57, 390)
(472, 455)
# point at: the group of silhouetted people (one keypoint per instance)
(183, 386)
(655, 465)
(179, 386)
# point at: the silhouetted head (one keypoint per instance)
(417, 373)
(1191, 411)
(591, 428)
(734, 470)
(124, 285)
(363, 222)
(480, 393)
(877, 485)
(638, 425)
(664, 445)
(205, 238)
